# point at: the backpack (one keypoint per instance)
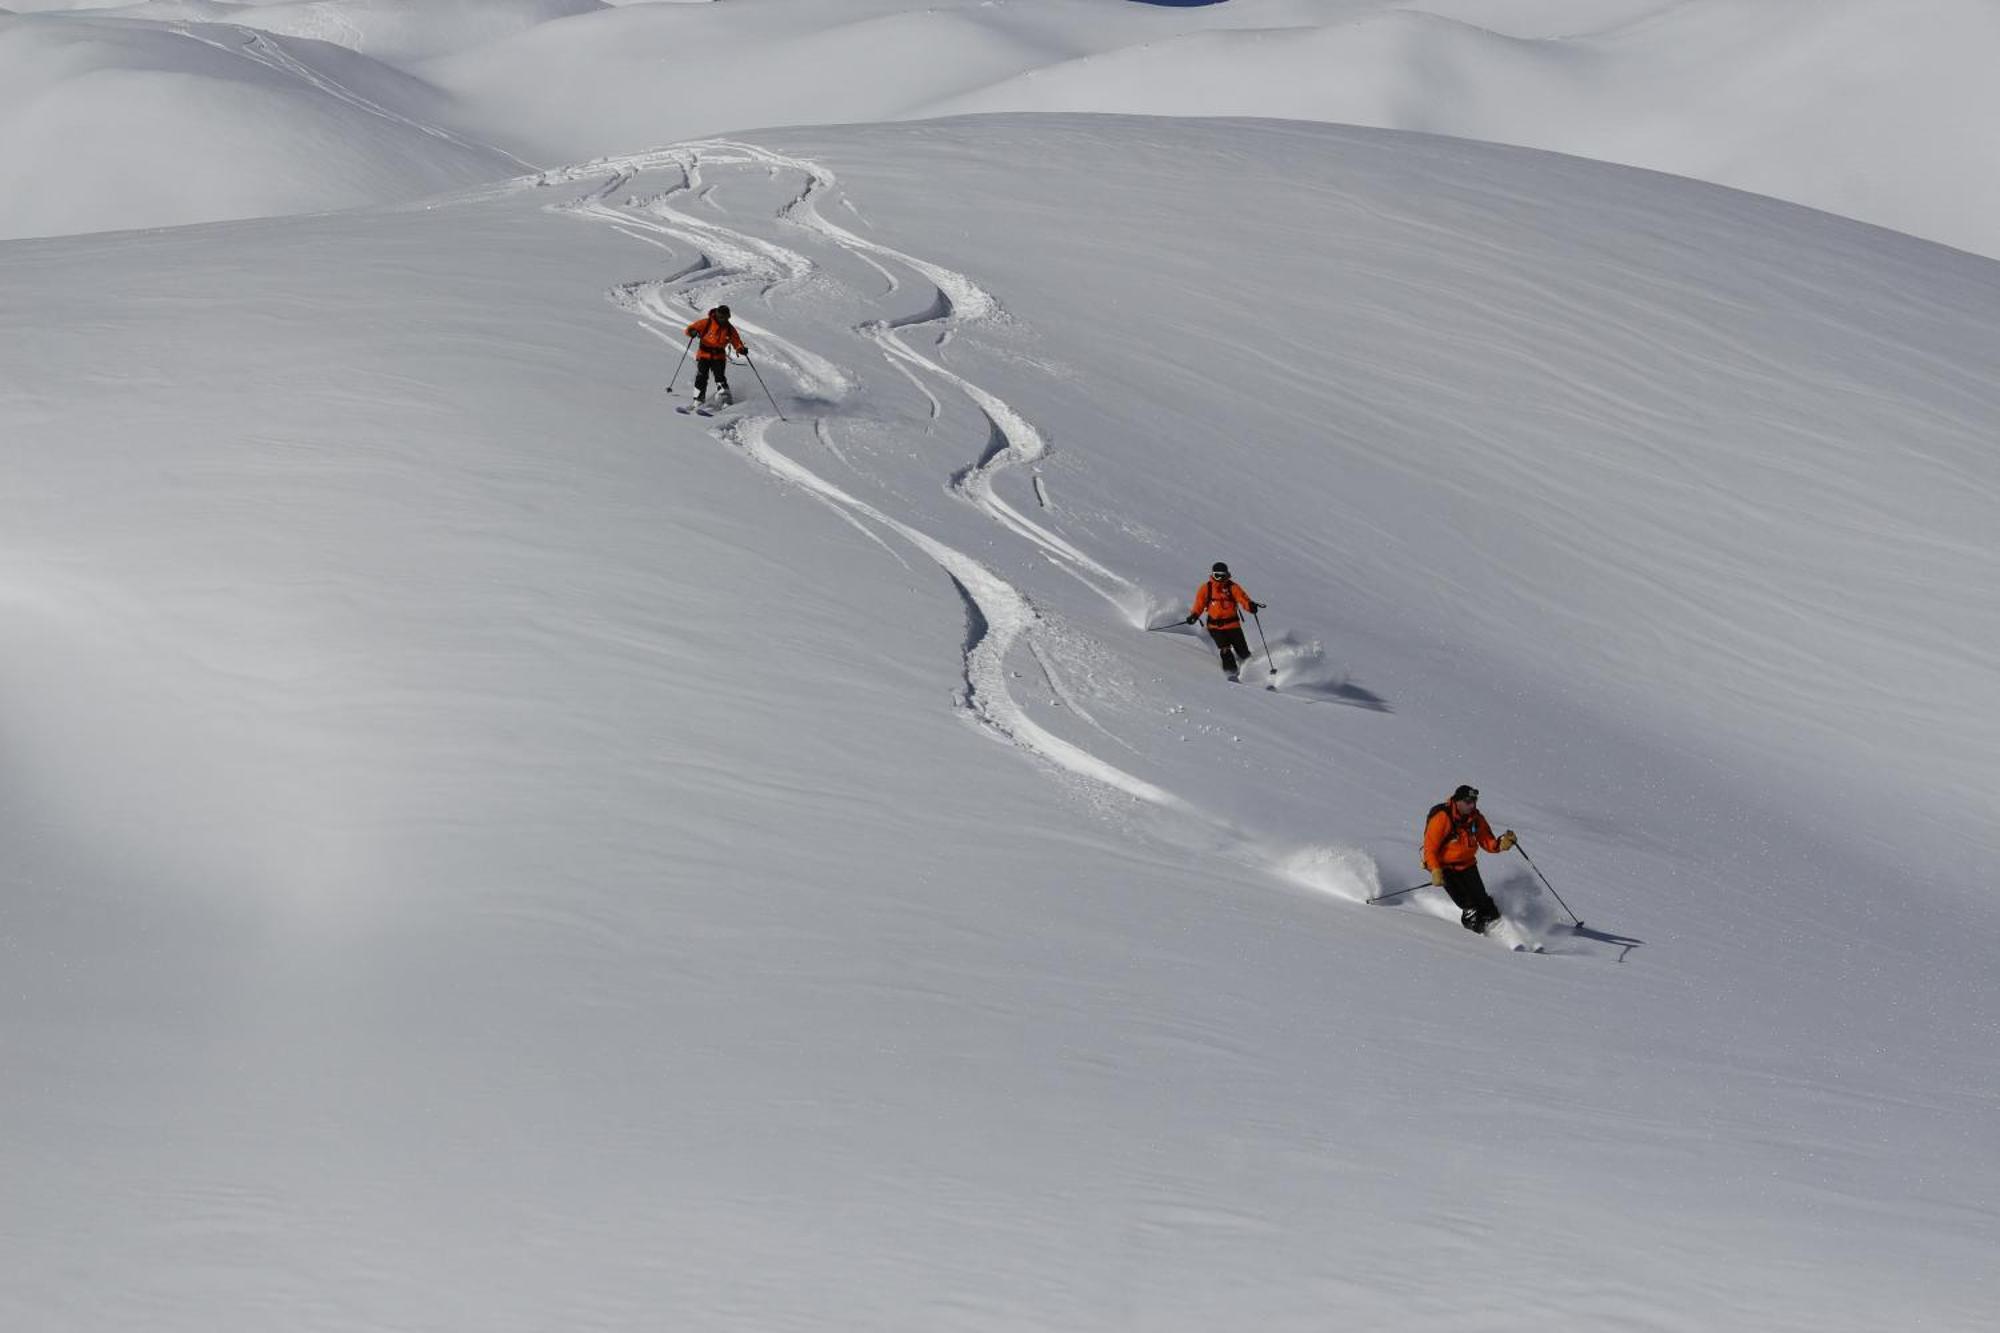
(1431, 814)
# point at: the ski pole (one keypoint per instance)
(678, 364)
(767, 388)
(1545, 880)
(1385, 897)
(1266, 642)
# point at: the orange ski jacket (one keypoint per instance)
(1224, 603)
(716, 338)
(1454, 844)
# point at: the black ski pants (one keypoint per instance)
(1475, 904)
(718, 366)
(1235, 648)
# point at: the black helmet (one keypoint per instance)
(721, 312)
(1466, 792)
(1219, 568)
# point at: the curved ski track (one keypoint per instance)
(999, 615)
(268, 50)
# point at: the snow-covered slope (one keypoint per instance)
(489, 851)
(108, 124)
(392, 30)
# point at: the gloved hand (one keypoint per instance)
(1437, 876)
(1255, 607)
(1192, 619)
(1507, 841)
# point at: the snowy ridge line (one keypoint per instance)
(267, 50)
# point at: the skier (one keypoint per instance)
(1454, 834)
(1224, 602)
(717, 336)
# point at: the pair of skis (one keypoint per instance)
(675, 377)
(1235, 673)
(700, 409)
(1524, 943)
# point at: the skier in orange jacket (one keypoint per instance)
(1454, 835)
(717, 336)
(1224, 601)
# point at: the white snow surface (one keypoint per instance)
(1873, 110)
(392, 30)
(488, 851)
(108, 123)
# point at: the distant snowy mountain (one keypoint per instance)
(1870, 110)
(485, 850)
(392, 30)
(110, 124)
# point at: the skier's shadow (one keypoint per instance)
(1623, 943)
(1305, 673)
(1345, 693)
(1524, 901)
(1301, 672)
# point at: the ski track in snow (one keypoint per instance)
(999, 616)
(269, 51)
(1015, 442)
